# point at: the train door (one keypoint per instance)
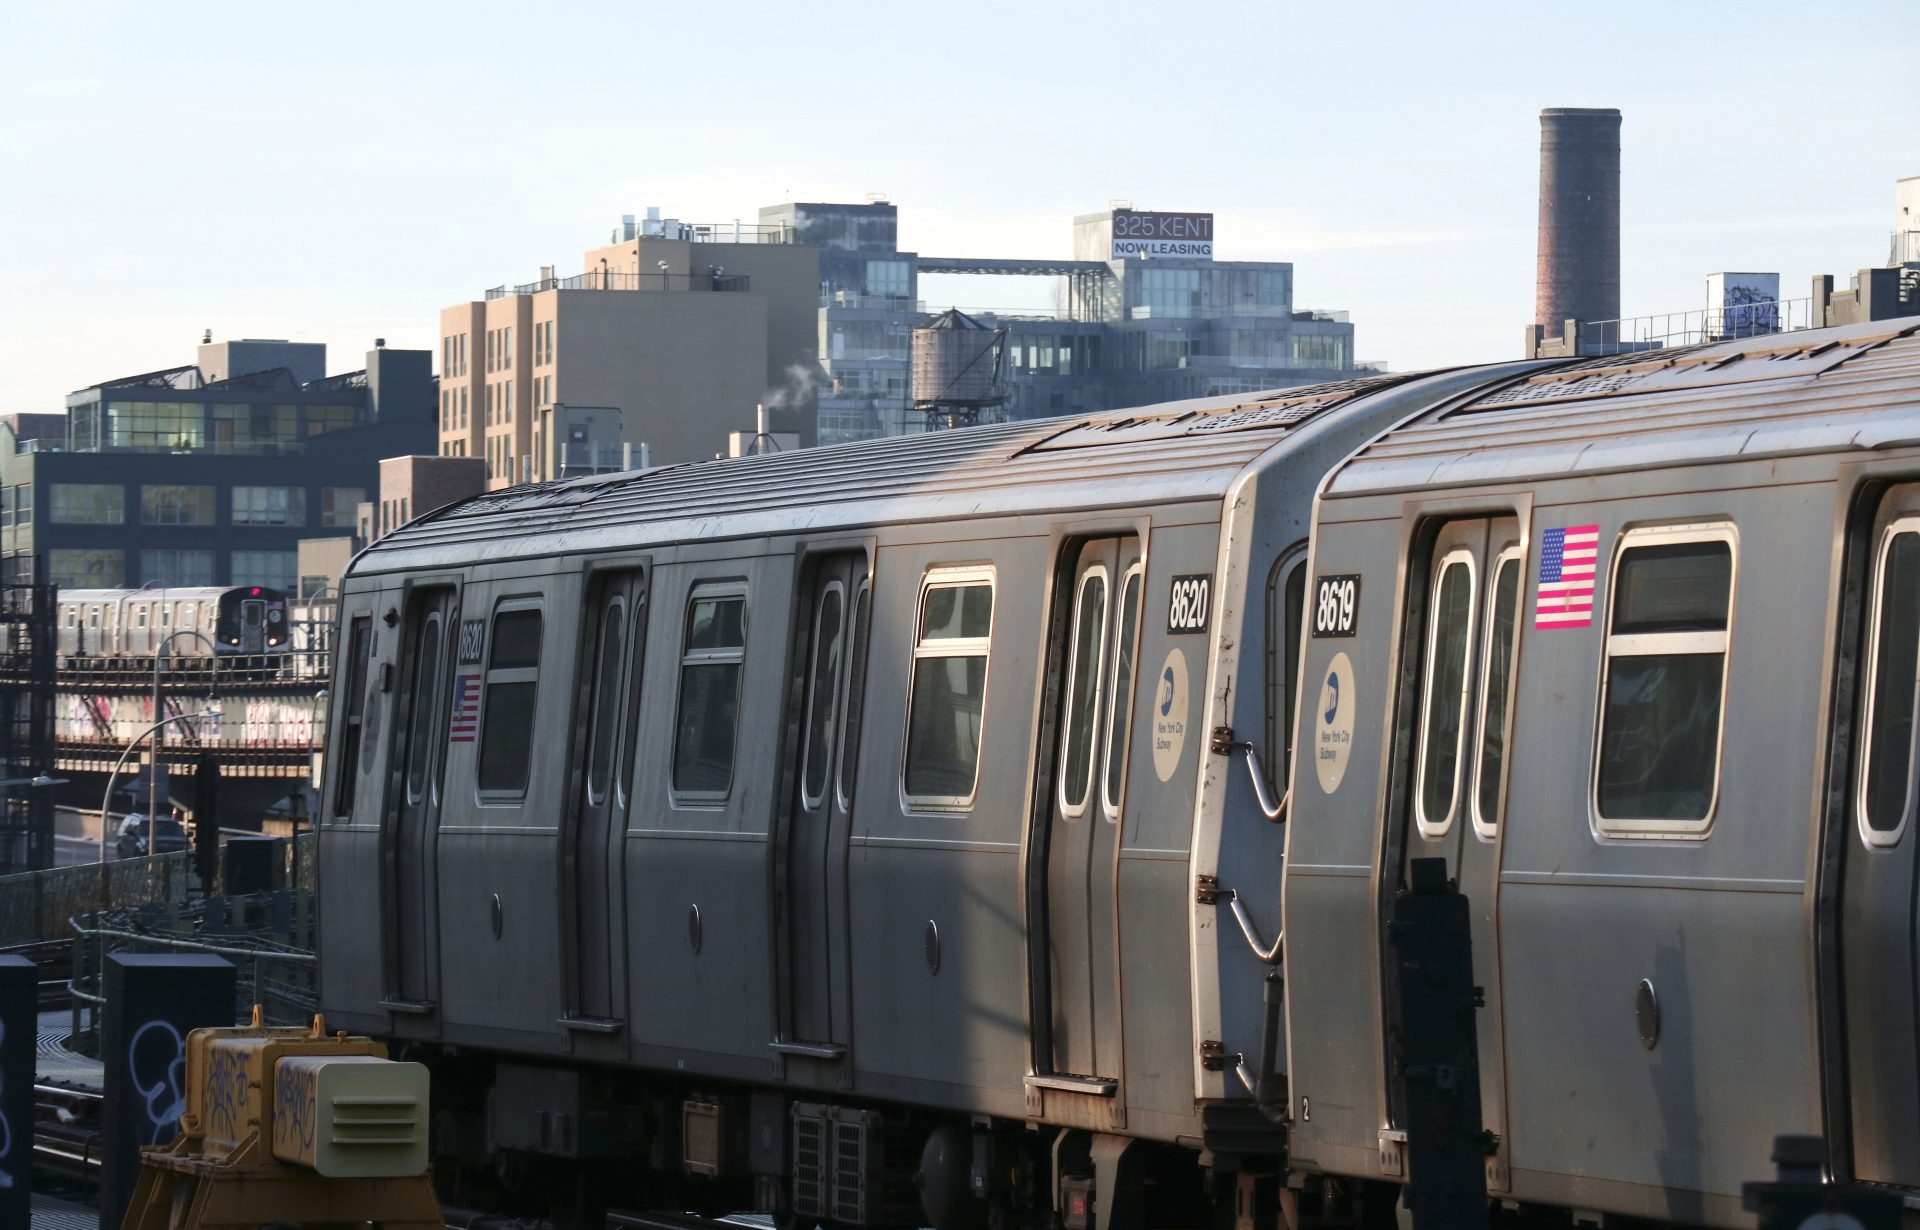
(828, 674)
(411, 814)
(1880, 865)
(1455, 768)
(1094, 670)
(253, 625)
(592, 843)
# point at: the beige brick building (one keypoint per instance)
(669, 338)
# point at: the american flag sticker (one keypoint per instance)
(1564, 596)
(466, 709)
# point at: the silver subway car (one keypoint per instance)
(772, 832)
(1631, 644)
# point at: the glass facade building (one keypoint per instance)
(1132, 329)
(176, 478)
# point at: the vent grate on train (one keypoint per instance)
(809, 1163)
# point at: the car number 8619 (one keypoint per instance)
(1336, 604)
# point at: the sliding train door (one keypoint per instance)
(827, 675)
(411, 815)
(1469, 601)
(1093, 673)
(1880, 863)
(592, 839)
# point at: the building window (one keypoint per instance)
(513, 677)
(707, 725)
(89, 504)
(176, 566)
(463, 409)
(269, 506)
(1657, 769)
(887, 279)
(23, 505)
(337, 505)
(86, 568)
(1319, 350)
(165, 505)
(1169, 293)
(272, 569)
(946, 697)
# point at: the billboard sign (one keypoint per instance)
(1137, 233)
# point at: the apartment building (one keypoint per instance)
(669, 338)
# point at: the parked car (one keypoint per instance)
(169, 835)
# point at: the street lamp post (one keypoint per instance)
(107, 799)
(153, 766)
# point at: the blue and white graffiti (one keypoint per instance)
(156, 1065)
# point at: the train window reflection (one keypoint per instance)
(1444, 703)
(513, 677)
(1502, 617)
(425, 698)
(606, 699)
(707, 726)
(1661, 695)
(1886, 793)
(1083, 691)
(856, 696)
(824, 694)
(1113, 770)
(947, 695)
(1286, 600)
(352, 706)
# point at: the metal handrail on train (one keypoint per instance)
(1269, 954)
(1224, 744)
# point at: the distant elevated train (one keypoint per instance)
(133, 623)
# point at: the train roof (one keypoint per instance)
(176, 593)
(1817, 391)
(1163, 453)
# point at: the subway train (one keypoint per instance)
(1004, 827)
(134, 623)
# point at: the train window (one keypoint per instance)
(1657, 769)
(1503, 615)
(606, 698)
(856, 695)
(513, 678)
(822, 692)
(1082, 717)
(1113, 768)
(1886, 769)
(426, 687)
(353, 709)
(636, 660)
(708, 725)
(1444, 699)
(140, 616)
(946, 699)
(93, 617)
(1286, 599)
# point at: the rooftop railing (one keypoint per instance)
(1904, 248)
(1669, 329)
(610, 279)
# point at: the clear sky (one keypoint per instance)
(340, 171)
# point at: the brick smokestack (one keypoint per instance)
(1578, 276)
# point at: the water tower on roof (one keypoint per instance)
(956, 370)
